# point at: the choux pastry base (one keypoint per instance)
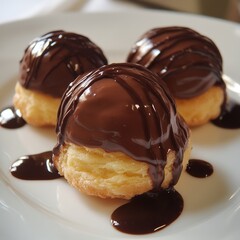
(108, 175)
(37, 109)
(201, 109)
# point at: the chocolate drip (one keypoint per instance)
(188, 62)
(148, 213)
(35, 167)
(230, 116)
(123, 108)
(55, 59)
(11, 118)
(199, 168)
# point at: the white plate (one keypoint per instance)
(53, 209)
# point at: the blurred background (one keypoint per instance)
(11, 10)
(226, 9)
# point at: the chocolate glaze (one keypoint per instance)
(123, 108)
(199, 168)
(35, 167)
(148, 213)
(11, 118)
(188, 62)
(55, 59)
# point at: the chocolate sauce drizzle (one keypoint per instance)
(148, 213)
(123, 108)
(188, 62)
(55, 59)
(11, 118)
(35, 167)
(230, 116)
(199, 168)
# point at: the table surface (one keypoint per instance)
(28, 8)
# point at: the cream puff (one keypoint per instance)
(191, 66)
(49, 64)
(119, 134)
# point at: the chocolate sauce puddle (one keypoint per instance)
(199, 168)
(35, 167)
(148, 213)
(230, 116)
(11, 118)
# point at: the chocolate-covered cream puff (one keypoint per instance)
(49, 64)
(191, 66)
(119, 134)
